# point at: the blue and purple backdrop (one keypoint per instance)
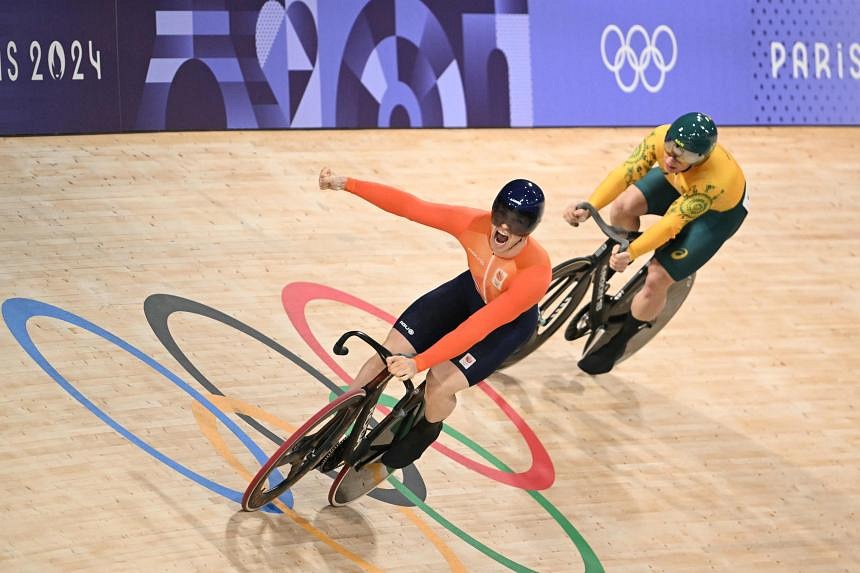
(130, 65)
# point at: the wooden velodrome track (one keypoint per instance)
(730, 443)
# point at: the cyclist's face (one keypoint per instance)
(679, 159)
(504, 242)
(512, 221)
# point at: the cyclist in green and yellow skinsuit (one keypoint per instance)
(679, 171)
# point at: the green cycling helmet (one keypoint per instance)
(695, 132)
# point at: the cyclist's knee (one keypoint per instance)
(658, 278)
(396, 343)
(444, 381)
(631, 204)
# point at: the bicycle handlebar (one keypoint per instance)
(616, 234)
(341, 350)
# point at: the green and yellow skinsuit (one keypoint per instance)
(701, 207)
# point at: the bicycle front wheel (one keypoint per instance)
(569, 283)
(304, 449)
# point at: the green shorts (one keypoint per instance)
(700, 239)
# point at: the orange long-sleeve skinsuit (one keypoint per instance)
(509, 287)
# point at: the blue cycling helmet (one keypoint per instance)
(520, 204)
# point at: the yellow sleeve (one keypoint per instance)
(683, 210)
(657, 235)
(632, 170)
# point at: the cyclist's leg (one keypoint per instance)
(448, 378)
(440, 395)
(396, 343)
(425, 321)
(651, 298)
(443, 383)
(627, 209)
(650, 195)
(644, 308)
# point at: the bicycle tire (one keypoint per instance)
(350, 483)
(323, 431)
(566, 290)
(675, 297)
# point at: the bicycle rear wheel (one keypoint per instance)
(304, 449)
(675, 297)
(351, 483)
(569, 283)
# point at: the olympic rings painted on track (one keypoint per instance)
(16, 313)
(159, 307)
(295, 296)
(625, 54)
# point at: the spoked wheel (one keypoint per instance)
(676, 295)
(569, 283)
(304, 449)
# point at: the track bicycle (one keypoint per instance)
(603, 315)
(342, 433)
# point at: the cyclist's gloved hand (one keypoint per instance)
(329, 180)
(401, 367)
(619, 261)
(575, 216)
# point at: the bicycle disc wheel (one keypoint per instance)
(675, 296)
(569, 283)
(304, 449)
(351, 483)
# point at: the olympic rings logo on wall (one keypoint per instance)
(212, 407)
(626, 54)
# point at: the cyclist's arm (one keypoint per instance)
(449, 218)
(529, 286)
(629, 172)
(683, 210)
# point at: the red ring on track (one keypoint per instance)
(541, 474)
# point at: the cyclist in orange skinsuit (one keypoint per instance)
(464, 329)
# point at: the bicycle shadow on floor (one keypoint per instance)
(275, 538)
(250, 540)
(572, 384)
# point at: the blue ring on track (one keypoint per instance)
(16, 313)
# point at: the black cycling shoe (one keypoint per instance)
(604, 358)
(409, 448)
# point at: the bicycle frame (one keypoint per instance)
(601, 272)
(597, 317)
(360, 440)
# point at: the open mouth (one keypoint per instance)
(500, 238)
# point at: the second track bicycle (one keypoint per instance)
(601, 317)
